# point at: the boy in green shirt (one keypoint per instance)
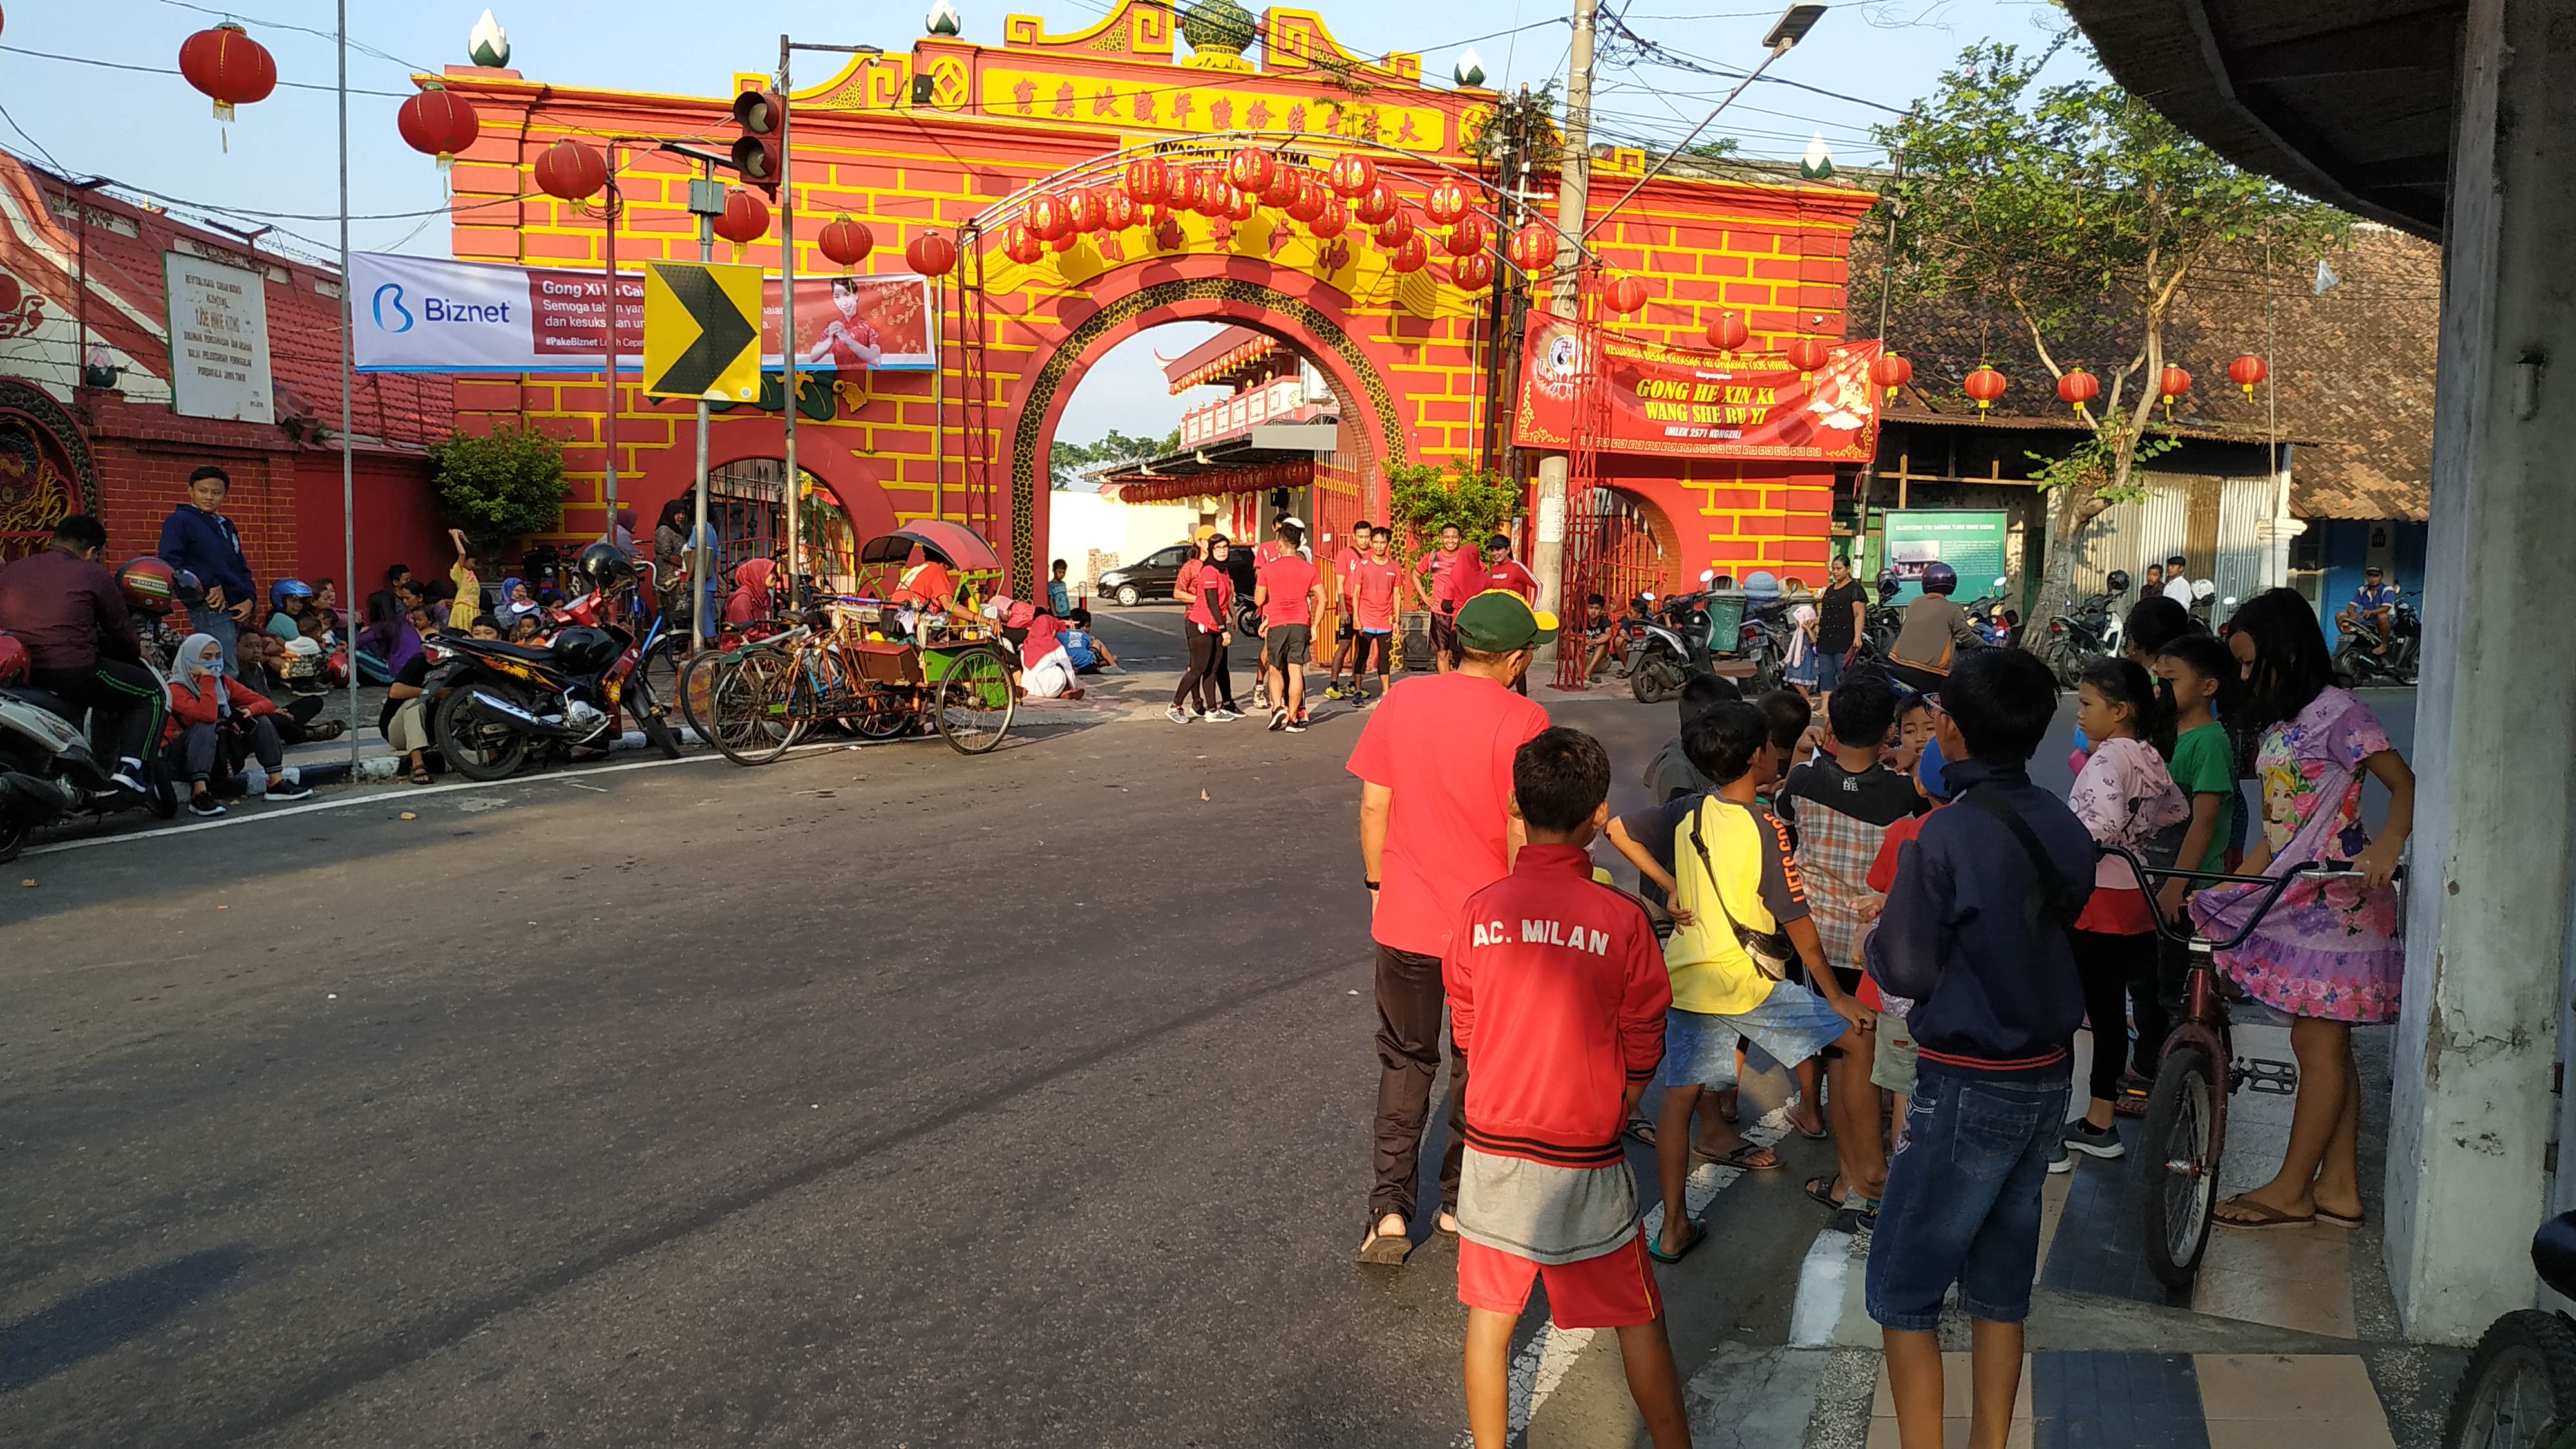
(2204, 765)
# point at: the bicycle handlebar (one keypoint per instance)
(2274, 885)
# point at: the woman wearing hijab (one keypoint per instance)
(209, 711)
(750, 602)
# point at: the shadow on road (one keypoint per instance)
(97, 1319)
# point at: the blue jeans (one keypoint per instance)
(223, 629)
(1962, 1200)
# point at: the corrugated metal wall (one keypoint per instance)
(2243, 508)
(2133, 535)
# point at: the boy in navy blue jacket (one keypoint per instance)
(1974, 933)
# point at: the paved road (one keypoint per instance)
(877, 1098)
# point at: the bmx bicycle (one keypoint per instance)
(2184, 1137)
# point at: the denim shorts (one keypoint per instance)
(1792, 1024)
(1962, 1199)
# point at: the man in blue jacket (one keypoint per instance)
(198, 538)
(1973, 939)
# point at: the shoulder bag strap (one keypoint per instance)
(2053, 894)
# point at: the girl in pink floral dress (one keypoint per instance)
(2329, 953)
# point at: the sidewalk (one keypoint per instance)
(2287, 1339)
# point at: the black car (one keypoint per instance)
(1150, 577)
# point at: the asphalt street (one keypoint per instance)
(875, 1097)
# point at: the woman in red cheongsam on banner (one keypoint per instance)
(851, 342)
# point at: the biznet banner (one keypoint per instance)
(427, 314)
(1687, 401)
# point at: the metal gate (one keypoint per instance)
(1630, 558)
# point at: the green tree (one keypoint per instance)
(1427, 497)
(504, 484)
(1069, 458)
(2077, 211)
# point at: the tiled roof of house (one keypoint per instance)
(2353, 366)
(125, 246)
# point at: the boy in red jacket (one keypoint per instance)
(1560, 986)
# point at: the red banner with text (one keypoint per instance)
(1692, 402)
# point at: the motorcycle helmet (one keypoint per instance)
(606, 566)
(14, 663)
(1940, 578)
(585, 650)
(285, 589)
(148, 584)
(2118, 582)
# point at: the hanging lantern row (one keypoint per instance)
(2076, 387)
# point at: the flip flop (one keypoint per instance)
(1736, 1157)
(1822, 1190)
(2267, 1217)
(1816, 1136)
(1639, 1130)
(1698, 1235)
(1385, 1249)
(2338, 1220)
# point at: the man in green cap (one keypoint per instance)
(1435, 764)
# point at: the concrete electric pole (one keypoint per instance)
(1573, 199)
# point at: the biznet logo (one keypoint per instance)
(389, 297)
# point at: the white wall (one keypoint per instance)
(1091, 533)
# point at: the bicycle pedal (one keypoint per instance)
(2264, 1074)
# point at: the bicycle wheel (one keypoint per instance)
(2519, 1390)
(975, 702)
(2178, 1162)
(696, 693)
(749, 709)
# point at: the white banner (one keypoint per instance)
(218, 340)
(428, 314)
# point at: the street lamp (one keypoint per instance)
(1794, 23)
(1786, 32)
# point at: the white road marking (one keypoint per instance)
(1821, 1280)
(1543, 1362)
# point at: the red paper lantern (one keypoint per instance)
(1067, 242)
(1473, 272)
(1352, 175)
(438, 122)
(1397, 231)
(1240, 205)
(1022, 245)
(1117, 211)
(1728, 332)
(2172, 383)
(1891, 372)
(1284, 187)
(1468, 237)
(571, 170)
(930, 254)
(2246, 371)
(845, 241)
(2077, 388)
(1625, 295)
(1311, 195)
(1335, 217)
(226, 64)
(1252, 168)
(745, 219)
(1049, 216)
(1377, 206)
(1410, 256)
(1807, 354)
(1533, 247)
(1210, 195)
(1084, 207)
(1985, 385)
(1446, 202)
(1145, 180)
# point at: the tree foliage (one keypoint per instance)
(2078, 212)
(1117, 447)
(1426, 498)
(503, 484)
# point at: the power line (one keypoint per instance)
(332, 36)
(173, 70)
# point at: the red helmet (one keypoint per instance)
(149, 584)
(14, 664)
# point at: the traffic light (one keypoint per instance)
(759, 152)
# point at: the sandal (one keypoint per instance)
(1822, 1190)
(420, 775)
(1698, 1234)
(2338, 1220)
(1639, 1130)
(2263, 1216)
(1384, 1249)
(1740, 1157)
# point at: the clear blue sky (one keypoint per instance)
(153, 131)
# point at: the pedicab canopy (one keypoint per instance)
(953, 544)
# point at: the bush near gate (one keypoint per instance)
(1427, 498)
(499, 485)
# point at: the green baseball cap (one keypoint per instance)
(1497, 621)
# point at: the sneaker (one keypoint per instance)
(204, 805)
(290, 790)
(2061, 1162)
(1222, 715)
(1297, 726)
(1175, 715)
(128, 780)
(2082, 1136)
(1278, 719)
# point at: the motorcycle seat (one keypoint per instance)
(534, 654)
(44, 699)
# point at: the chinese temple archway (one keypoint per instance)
(955, 137)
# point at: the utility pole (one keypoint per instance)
(787, 316)
(706, 200)
(1573, 200)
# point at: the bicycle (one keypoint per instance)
(2519, 1389)
(2184, 1137)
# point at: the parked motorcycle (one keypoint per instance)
(498, 703)
(2360, 659)
(1672, 647)
(2085, 632)
(48, 772)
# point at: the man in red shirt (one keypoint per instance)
(1557, 989)
(926, 589)
(1353, 552)
(1502, 571)
(1435, 764)
(1262, 553)
(1431, 590)
(1289, 593)
(1371, 587)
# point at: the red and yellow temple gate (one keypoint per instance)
(956, 137)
